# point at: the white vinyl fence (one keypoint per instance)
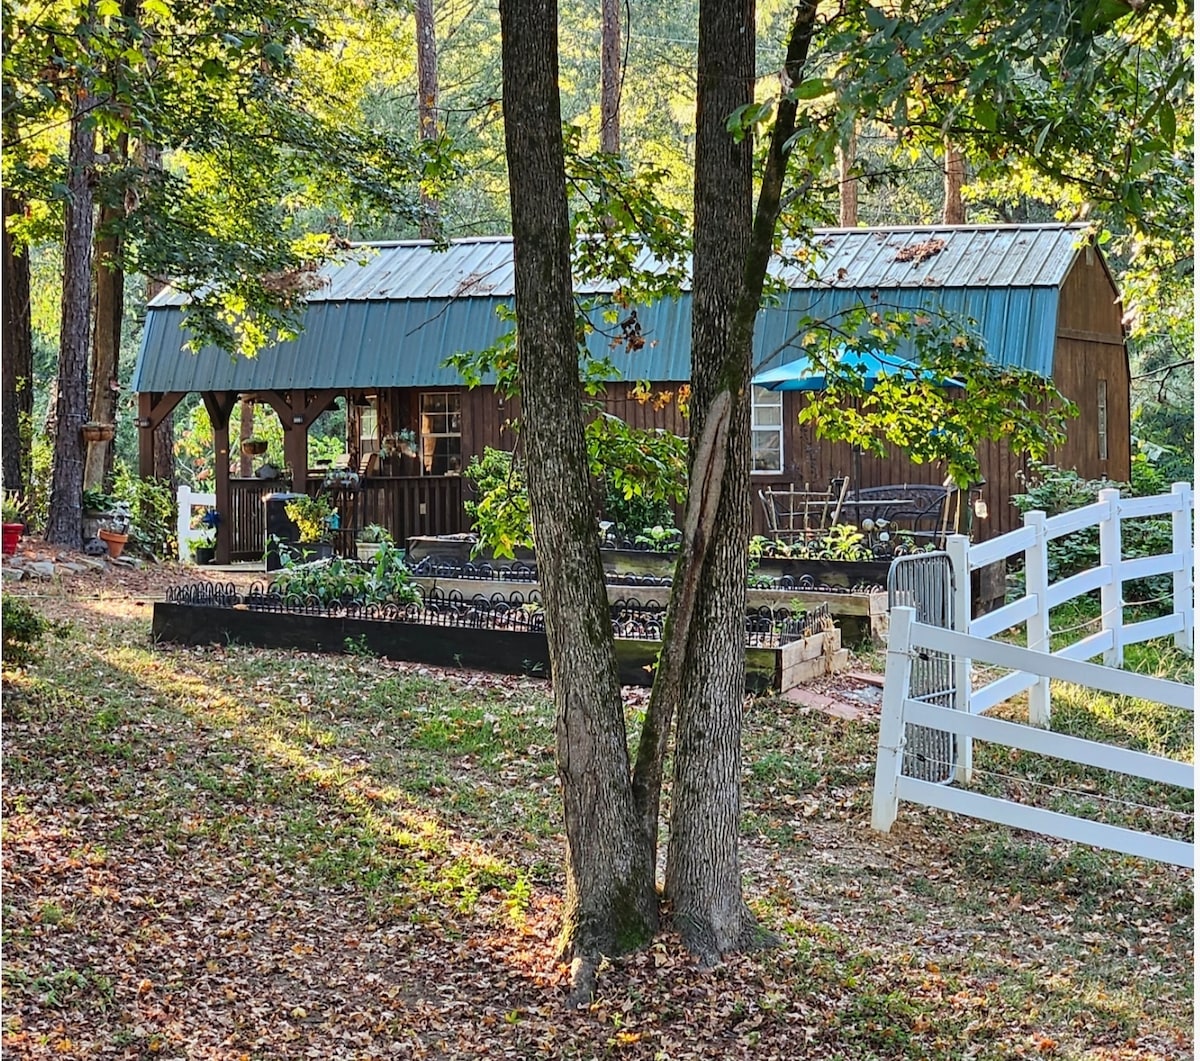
(1031, 668)
(188, 502)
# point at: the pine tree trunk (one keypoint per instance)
(246, 430)
(64, 522)
(163, 440)
(16, 353)
(610, 76)
(427, 98)
(611, 905)
(954, 211)
(106, 346)
(847, 183)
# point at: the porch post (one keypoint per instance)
(220, 406)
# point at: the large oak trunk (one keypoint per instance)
(703, 878)
(64, 523)
(611, 905)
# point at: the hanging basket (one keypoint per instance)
(94, 432)
(254, 447)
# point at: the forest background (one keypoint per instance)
(231, 161)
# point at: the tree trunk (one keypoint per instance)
(17, 356)
(64, 522)
(106, 345)
(954, 212)
(847, 182)
(611, 905)
(610, 77)
(427, 98)
(163, 439)
(731, 252)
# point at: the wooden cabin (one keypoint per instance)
(379, 331)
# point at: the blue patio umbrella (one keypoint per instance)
(801, 374)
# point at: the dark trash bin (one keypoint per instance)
(279, 528)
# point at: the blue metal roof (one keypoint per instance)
(392, 313)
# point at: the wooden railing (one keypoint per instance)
(406, 505)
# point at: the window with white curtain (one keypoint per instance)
(766, 430)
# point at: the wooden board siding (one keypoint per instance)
(1090, 347)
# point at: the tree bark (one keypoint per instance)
(246, 430)
(16, 355)
(106, 345)
(64, 522)
(610, 77)
(731, 252)
(163, 439)
(954, 211)
(427, 98)
(611, 905)
(847, 183)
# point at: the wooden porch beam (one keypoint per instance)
(220, 405)
(153, 408)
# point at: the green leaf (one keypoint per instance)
(813, 88)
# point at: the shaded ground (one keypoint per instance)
(227, 853)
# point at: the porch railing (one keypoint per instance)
(405, 505)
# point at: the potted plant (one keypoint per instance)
(13, 523)
(316, 520)
(370, 538)
(204, 545)
(114, 529)
(254, 447)
(399, 443)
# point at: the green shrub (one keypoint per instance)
(24, 627)
(152, 511)
(636, 513)
(383, 580)
(499, 512)
(1055, 490)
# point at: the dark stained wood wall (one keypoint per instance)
(1090, 348)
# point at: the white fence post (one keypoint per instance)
(958, 546)
(183, 508)
(1183, 601)
(1037, 629)
(1111, 611)
(889, 758)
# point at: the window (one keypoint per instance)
(441, 433)
(368, 428)
(766, 430)
(1102, 417)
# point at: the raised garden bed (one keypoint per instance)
(501, 634)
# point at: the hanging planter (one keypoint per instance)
(93, 431)
(254, 447)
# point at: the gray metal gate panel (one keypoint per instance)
(925, 583)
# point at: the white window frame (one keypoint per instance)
(428, 439)
(763, 399)
(1102, 417)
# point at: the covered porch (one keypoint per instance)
(416, 494)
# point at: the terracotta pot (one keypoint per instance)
(114, 540)
(98, 432)
(12, 535)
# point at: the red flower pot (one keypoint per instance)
(12, 535)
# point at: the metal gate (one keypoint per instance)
(925, 582)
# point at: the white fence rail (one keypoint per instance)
(1030, 669)
(908, 637)
(187, 503)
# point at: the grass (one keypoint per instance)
(201, 844)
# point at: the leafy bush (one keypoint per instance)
(637, 512)
(1055, 490)
(151, 505)
(24, 627)
(383, 580)
(499, 512)
(313, 516)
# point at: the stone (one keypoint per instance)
(11, 574)
(44, 569)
